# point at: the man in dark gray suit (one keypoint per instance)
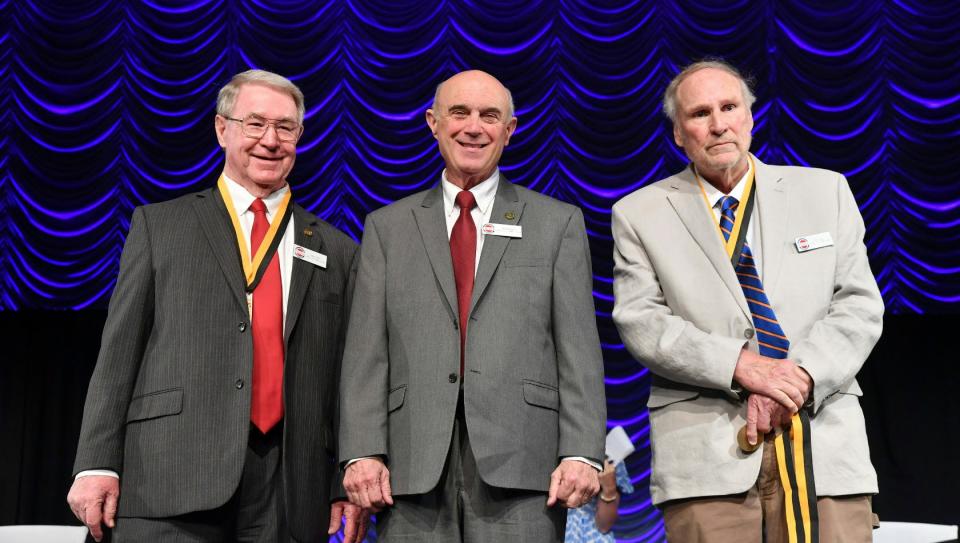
(210, 415)
(472, 398)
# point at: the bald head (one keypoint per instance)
(475, 76)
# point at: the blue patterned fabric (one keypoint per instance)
(770, 337)
(581, 525)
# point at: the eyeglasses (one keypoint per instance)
(255, 126)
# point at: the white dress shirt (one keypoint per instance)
(484, 193)
(241, 202)
(714, 195)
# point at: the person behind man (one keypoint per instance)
(760, 318)
(472, 396)
(593, 521)
(211, 412)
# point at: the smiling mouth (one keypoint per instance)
(472, 145)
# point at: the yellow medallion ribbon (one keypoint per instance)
(253, 267)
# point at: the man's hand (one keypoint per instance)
(355, 521)
(573, 484)
(779, 379)
(763, 415)
(367, 482)
(93, 499)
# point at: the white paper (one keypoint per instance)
(619, 445)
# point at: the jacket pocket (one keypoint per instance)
(662, 397)
(156, 404)
(541, 395)
(525, 262)
(395, 398)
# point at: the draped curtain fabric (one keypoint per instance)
(108, 105)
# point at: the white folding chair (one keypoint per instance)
(43, 534)
(913, 532)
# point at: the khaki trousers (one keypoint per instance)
(758, 515)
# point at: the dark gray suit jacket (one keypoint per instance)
(168, 406)
(533, 385)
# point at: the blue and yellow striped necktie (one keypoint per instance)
(770, 337)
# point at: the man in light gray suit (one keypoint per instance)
(700, 325)
(211, 413)
(472, 398)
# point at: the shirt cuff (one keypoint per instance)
(586, 461)
(88, 472)
(355, 460)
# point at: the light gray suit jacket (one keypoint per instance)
(681, 312)
(168, 406)
(533, 385)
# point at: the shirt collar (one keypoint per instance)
(714, 195)
(484, 192)
(242, 198)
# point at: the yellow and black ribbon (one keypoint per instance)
(796, 477)
(253, 269)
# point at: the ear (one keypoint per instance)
(677, 138)
(220, 126)
(750, 121)
(432, 122)
(511, 126)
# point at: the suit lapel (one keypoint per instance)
(215, 224)
(506, 210)
(433, 232)
(772, 204)
(301, 272)
(688, 203)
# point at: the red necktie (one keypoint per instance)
(267, 402)
(463, 251)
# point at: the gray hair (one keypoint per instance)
(510, 108)
(227, 97)
(670, 95)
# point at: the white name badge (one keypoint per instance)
(505, 230)
(313, 257)
(813, 241)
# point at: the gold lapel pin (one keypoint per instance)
(509, 215)
(307, 232)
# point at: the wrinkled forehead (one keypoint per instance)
(265, 101)
(708, 86)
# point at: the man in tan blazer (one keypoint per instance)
(682, 312)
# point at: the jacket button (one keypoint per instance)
(748, 333)
(239, 384)
(242, 327)
(452, 378)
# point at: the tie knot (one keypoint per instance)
(728, 205)
(258, 206)
(466, 200)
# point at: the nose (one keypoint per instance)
(718, 125)
(270, 137)
(473, 124)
